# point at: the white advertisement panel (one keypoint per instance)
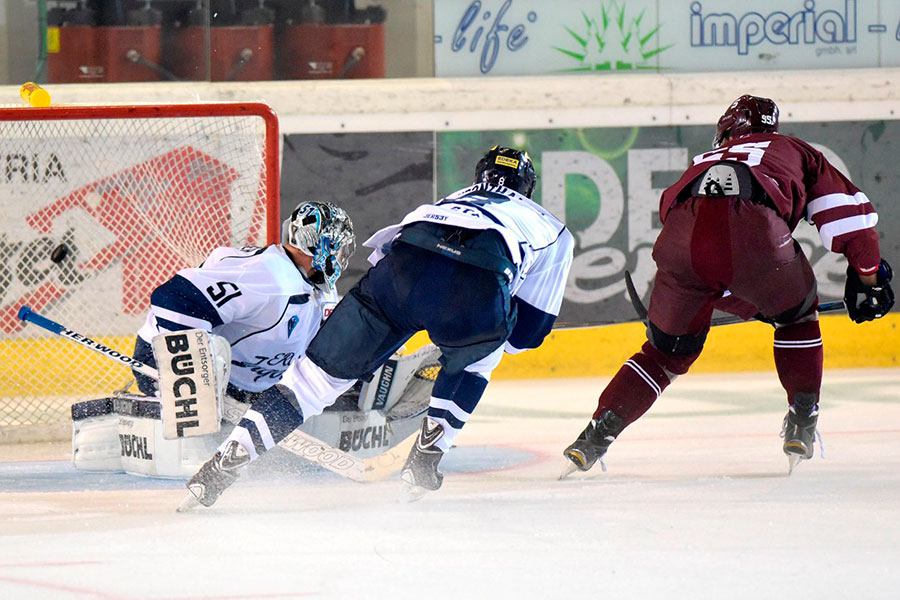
(518, 37)
(781, 34)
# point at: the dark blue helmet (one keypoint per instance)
(507, 167)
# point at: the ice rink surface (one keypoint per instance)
(696, 504)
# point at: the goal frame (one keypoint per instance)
(269, 194)
(173, 111)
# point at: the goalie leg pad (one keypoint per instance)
(193, 374)
(313, 388)
(402, 386)
(125, 433)
(95, 436)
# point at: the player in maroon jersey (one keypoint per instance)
(727, 227)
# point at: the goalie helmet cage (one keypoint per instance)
(102, 204)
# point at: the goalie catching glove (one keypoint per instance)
(869, 302)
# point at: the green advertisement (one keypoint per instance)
(605, 183)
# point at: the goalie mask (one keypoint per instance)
(748, 114)
(323, 231)
(507, 167)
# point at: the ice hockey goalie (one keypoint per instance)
(125, 432)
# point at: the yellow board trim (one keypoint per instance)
(45, 365)
(740, 347)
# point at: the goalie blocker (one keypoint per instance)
(126, 432)
(193, 374)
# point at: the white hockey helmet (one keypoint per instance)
(323, 231)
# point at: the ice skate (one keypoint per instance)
(215, 476)
(593, 443)
(420, 474)
(799, 430)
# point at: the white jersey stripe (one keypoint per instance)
(261, 426)
(644, 375)
(181, 319)
(451, 407)
(798, 344)
(833, 201)
(831, 230)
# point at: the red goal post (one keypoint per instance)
(101, 204)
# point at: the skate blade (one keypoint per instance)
(412, 493)
(570, 468)
(793, 461)
(189, 504)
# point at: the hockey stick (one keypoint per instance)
(635, 299)
(641, 310)
(297, 442)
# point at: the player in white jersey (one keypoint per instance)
(268, 303)
(483, 271)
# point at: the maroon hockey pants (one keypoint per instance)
(709, 245)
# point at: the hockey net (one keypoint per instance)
(101, 205)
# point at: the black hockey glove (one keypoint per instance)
(867, 303)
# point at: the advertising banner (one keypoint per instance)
(518, 37)
(376, 177)
(606, 184)
(525, 37)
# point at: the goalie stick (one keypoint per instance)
(297, 442)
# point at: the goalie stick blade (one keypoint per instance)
(346, 465)
(389, 463)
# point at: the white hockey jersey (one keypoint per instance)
(539, 244)
(253, 297)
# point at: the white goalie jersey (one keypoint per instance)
(255, 298)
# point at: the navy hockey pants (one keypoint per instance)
(466, 310)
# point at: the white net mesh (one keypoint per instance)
(99, 211)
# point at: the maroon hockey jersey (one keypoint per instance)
(801, 184)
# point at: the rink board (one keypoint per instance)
(565, 353)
